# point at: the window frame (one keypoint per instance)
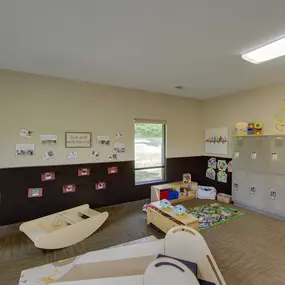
(163, 166)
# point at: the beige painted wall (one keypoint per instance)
(53, 106)
(255, 105)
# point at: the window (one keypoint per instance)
(149, 151)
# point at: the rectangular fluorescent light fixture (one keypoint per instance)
(267, 52)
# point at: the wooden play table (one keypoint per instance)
(166, 218)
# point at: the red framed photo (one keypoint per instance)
(69, 188)
(83, 171)
(112, 170)
(47, 176)
(100, 185)
(35, 192)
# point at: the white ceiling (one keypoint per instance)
(151, 45)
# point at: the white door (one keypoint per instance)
(276, 155)
(239, 186)
(275, 202)
(256, 190)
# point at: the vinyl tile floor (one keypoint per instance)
(249, 250)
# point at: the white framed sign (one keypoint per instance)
(78, 140)
(216, 141)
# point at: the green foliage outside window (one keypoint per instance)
(149, 130)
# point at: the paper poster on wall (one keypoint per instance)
(25, 149)
(230, 166)
(210, 173)
(48, 155)
(48, 140)
(222, 165)
(119, 147)
(72, 155)
(35, 192)
(113, 156)
(68, 188)
(222, 176)
(94, 154)
(47, 176)
(103, 140)
(26, 133)
(216, 141)
(119, 135)
(212, 163)
(100, 185)
(78, 139)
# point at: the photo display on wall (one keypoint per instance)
(35, 192)
(112, 170)
(48, 176)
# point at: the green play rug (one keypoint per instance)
(211, 215)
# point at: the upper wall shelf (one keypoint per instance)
(253, 136)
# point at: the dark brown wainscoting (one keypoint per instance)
(15, 206)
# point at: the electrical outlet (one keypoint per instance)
(236, 187)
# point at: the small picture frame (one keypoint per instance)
(47, 176)
(78, 139)
(112, 170)
(83, 171)
(35, 192)
(100, 185)
(68, 188)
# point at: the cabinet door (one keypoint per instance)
(240, 153)
(275, 201)
(257, 149)
(276, 156)
(256, 190)
(239, 186)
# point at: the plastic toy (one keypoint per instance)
(145, 206)
(241, 129)
(179, 210)
(183, 258)
(164, 203)
(64, 228)
(254, 128)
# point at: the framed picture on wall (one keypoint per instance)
(78, 140)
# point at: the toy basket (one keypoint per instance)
(207, 192)
(225, 198)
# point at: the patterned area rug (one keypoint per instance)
(214, 214)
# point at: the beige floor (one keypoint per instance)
(249, 250)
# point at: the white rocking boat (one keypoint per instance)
(65, 228)
(183, 257)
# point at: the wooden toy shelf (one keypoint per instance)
(156, 189)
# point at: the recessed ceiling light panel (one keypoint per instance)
(267, 52)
